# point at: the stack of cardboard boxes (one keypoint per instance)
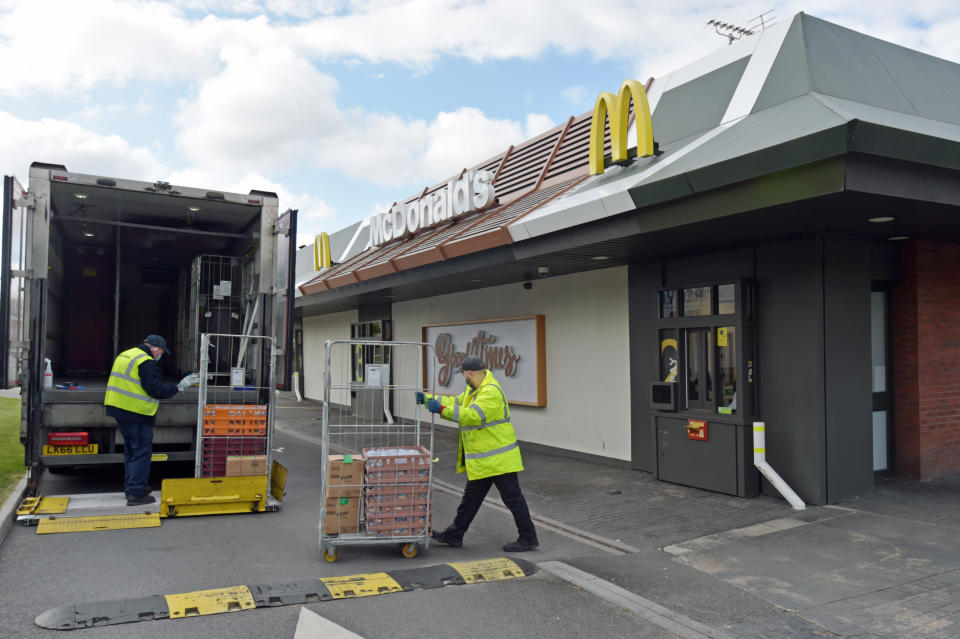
(344, 489)
(397, 491)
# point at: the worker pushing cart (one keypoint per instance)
(377, 477)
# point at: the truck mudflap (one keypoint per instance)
(249, 597)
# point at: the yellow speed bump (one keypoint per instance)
(210, 602)
(488, 570)
(236, 598)
(378, 583)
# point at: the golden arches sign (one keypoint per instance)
(617, 107)
(321, 252)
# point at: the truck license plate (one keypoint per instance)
(88, 449)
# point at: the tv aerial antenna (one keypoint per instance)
(734, 32)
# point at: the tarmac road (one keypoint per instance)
(39, 572)
(622, 555)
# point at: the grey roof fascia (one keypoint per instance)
(849, 110)
(910, 146)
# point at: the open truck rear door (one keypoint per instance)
(14, 306)
(285, 252)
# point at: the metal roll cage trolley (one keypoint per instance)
(377, 476)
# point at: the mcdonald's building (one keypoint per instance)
(770, 234)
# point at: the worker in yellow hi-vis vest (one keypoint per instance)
(488, 452)
(133, 396)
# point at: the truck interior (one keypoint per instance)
(120, 269)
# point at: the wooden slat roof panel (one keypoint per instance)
(508, 214)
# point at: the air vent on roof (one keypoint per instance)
(213, 195)
(106, 182)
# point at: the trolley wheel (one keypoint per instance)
(331, 554)
(410, 550)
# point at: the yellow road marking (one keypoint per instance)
(487, 570)
(377, 583)
(210, 602)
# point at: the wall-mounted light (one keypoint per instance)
(543, 271)
(81, 196)
(882, 219)
(88, 233)
(600, 258)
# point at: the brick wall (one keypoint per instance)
(925, 326)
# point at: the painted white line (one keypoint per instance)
(612, 546)
(310, 625)
(647, 610)
(716, 540)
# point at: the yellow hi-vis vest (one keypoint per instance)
(488, 443)
(124, 389)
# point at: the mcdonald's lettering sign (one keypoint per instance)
(617, 107)
(472, 192)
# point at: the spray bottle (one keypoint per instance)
(47, 374)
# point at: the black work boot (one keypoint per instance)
(446, 538)
(521, 545)
(141, 501)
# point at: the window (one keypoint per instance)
(727, 365)
(697, 301)
(700, 358)
(699, 345)
(668, 304)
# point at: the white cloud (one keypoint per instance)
(576, 95)
(266, 109)
(64, 45)
(234, 123)
(60, 142)
(537, 123)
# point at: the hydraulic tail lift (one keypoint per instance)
(178, 498)
(235, 420)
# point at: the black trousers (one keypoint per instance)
(473, 496)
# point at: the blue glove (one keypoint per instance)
(421, 398)
(434, 406)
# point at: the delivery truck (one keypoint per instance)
(92, 264)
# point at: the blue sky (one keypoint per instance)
(344, 107)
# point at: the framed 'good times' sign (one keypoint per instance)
(513, 348)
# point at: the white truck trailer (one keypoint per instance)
(92, 264)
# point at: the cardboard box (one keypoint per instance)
(342, 515)
(240, 465)
(345, 475)
(234, 465)
(255, 465)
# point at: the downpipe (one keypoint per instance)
(760, 461)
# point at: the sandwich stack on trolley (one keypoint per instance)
(377, 447)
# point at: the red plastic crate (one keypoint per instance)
(411, 476)
(396, 458)
(397, 526)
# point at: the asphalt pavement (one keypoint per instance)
(621, 555)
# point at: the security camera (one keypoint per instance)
(528, 285)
